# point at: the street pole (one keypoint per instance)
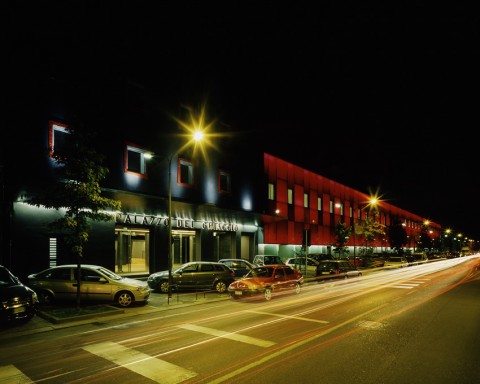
(170, 228)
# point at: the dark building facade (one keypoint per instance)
(229, 198)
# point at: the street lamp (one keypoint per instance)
(358, 228)
(197, 137)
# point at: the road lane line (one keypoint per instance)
(290, 317)
(227, 335)
(9, 374)
(150, 367)
(291, 347)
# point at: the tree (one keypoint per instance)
(77, 190)
(397, 236)
(342, 233)
(371, 228)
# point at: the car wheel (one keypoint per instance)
(45, 298)
(298, 288)
(268, 294)
(220, 286)
(163, 286)
(124, 299)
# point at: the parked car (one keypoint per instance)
(299, 263)
(240, 266)
(337, 269)
(96, 284)
(17, 301)
(267, 259)
(320, 256)
(266, 281)
(194, 275)
(396, 262)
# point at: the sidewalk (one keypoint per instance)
(63, 317)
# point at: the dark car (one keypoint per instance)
(18, 302)
(266, 281)
(337, 269)
(240, 266)
(96, 284)
(204, 275)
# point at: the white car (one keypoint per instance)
(299, 263)
(396, 262)
(96, 284)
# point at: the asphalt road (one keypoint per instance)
(413, 325)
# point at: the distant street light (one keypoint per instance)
(358, 227)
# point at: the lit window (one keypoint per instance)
(59, 138)
(135, 160)
(331, 206)
(319, 203)
(223, 181)
(305, 200)
(185, 174)
(290, 196)
(271, 191)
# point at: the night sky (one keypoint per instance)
(380, 97)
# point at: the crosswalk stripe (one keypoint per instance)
(11, 375)
(227, 335)
(155, 369)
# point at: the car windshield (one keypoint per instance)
(6, 279)
(261, 272)
(110, 274)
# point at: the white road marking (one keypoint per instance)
(291, 317)
(11, 375)
(227, 335)
(152, 368)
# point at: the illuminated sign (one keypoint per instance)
(176, 223)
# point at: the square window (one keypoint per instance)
(223, 181)
(135, 160)
(59, 138)
(185, 174)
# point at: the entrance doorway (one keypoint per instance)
(131, 245)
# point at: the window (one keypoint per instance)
(223, 181)
(290, 196)
(59, 137)
(305, 200)
(135, 160)
(331, 206)
(319, 203)
(271, 191)
(185, 174)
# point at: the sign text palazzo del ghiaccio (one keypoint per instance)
(176, 223)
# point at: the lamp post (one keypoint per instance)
(197, 136)
(358, 227)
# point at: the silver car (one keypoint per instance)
(96, 284)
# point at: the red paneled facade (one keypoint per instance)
(318, 203)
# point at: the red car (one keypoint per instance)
(267, 281)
